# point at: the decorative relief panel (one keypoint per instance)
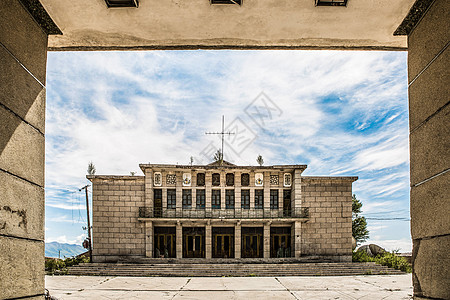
(157, 179)
(274, 180)
(245, 179)
(171, 179)
(287, 179)
(259, 179)
(215, 179)
(200, 179)
(230, 179)
(186, 179)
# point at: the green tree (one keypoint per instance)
(359, 223)
(260, 160)
(91, 168)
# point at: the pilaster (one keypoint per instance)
(179, 242)
(237, 240)
(149, 239)
(208, 240)
(266, 238)
(296, 236)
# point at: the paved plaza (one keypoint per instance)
(392, 287)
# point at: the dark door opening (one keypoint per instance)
(252, 242)
(164, 242)
(280, 242)
(287, 203)
(194, 242)
(157, 203)
(223, 242)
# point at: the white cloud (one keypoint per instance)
(343, 113)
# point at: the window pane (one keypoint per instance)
(171, 199)
(187, 199)
(245, 199)
(215, 201)
(229, 199)
(259, 199)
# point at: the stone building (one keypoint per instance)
(221, 211)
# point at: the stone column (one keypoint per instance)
(297, 190)
(296, 239)
(208, 179)
(428, 63)
(164, 199)
(179, 237)
(237, 191)
(208, 240)
(237, 240)
(148, 239)
(266, 192)
(149, 188)
(266, 238)
(194, 197)
(179, 193)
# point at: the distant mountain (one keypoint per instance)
(67, 250)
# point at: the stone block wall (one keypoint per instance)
(329, 230)
(428, 32)
(115, 211)
(23, 53)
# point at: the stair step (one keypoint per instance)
(231, 269)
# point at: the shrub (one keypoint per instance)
(59, 266)
(388, 259)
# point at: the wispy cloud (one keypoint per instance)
(343, 113)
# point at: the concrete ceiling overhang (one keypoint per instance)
(257, 24)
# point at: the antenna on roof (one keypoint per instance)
(222, 133)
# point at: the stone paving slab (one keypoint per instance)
(388, 287)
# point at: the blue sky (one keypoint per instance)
(343, 113)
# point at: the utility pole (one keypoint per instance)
(88, 221)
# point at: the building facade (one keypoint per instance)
(221, 211)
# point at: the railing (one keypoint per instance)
(147, 212)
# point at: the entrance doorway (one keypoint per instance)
(194, 242)
(165, 242)
(223, 242)
(287, 203)
(252, 242)
(157, 203)
(280, 242)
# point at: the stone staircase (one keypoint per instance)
(218, 268)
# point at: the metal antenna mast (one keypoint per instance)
(222, 133)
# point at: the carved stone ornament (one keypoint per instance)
(157, 179)
(171, 179)
(287, 179)
(186, 179)
(259, 179)
(274, 180)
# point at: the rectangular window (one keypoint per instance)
(215, 200)
(171, 199)
(259, 199)
(229, 199)
(187, 199)
(273, 199)
(245, 199)
(200, 195)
